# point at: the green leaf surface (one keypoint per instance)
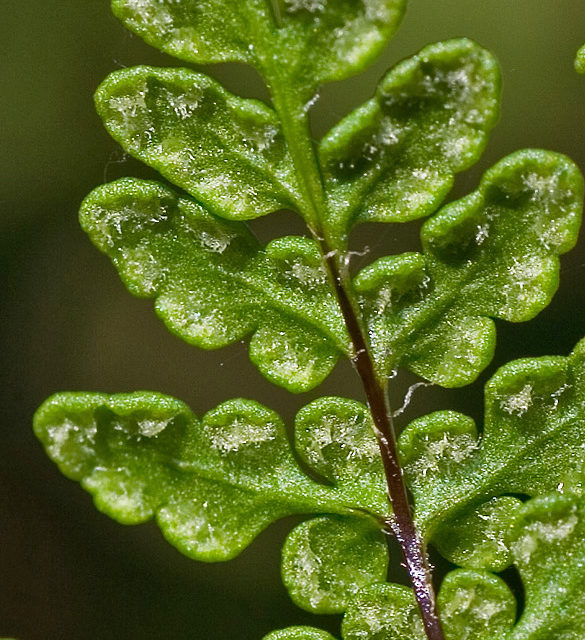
(477, 539)
(212, 484)
(319, 41)
(473, 606)
(580, 60)
(394, 158)
(326, 561)
(228, 152)
(383, 612)
(548, 546)
(199, 31)
(307, 42)
(532, 444)
(335, 437)
(476, 605)
(299, 633)
(214, 284)
(493, 254)
(547, 539)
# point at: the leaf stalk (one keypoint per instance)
(402, 523)
(297, 132)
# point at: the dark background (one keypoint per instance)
(66, 571)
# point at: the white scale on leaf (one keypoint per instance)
(354, 50)
(307, 274)
(383, 620)
(542, 187)
(553, 233)
(67, 434)
(144, 268)
(389, 133)
(536, 533)
(121, 490)
(383, 303)
(372, 615)
(307, 576)
(455, 147)
(147, 12)
(262, 138)
(237, 198)
(182, 161)
(377, 11)
(312, 6)
(193, 530)
(523, 285)
(470, 602)
(130, 110)
(518, 403)
(150, 427)
(295, 364)
(184, 105)
(195, 324)
(241, 433)
(482, 233)
(448, 449)
(348, 433)
(113, 223)
(216, 242)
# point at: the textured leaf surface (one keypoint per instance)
(473, 606)
(477, 539)
(212, 484)
(335, 437)
(199, 31)
(394, 158)
(308, 42)
(580, 60)
(547, 541)
(299, 633)
(214, 284)
(326, 561)
(228, 152)
(383, 612)
(476, 605)
(491, 254)
(324, 40)
(532, 444)
(548, 547)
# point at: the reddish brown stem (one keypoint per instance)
(402, 524)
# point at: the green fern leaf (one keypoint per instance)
(214, 284)
(531, 445)
(299, 633)
(226, 151)
(383, 612)
(491, 254)
(212, 484)
(394, 158)
(546, 533)
(304, 42)
(580, 60)
(327, 560)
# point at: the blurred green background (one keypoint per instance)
(67, 572)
